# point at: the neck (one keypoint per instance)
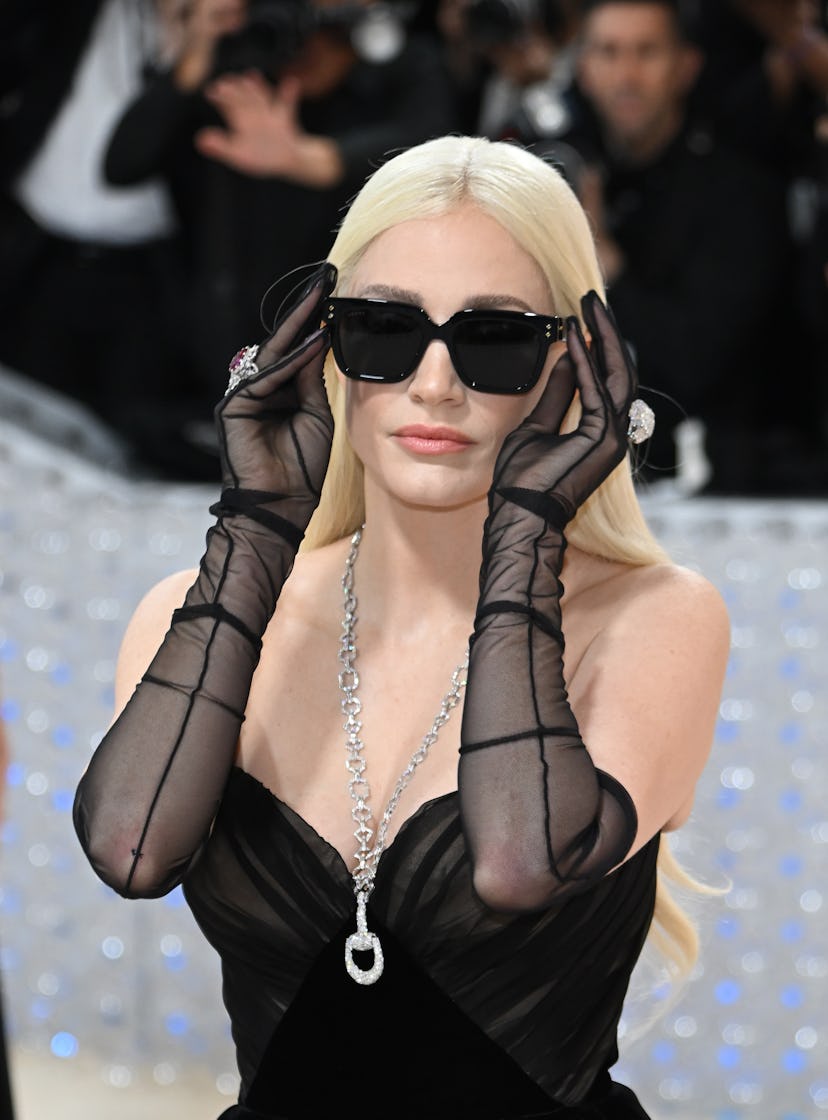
(639, 149)
(418, 566)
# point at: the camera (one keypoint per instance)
(276, 31)
(272, 36)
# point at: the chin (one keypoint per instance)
(440, 501)
(431, 493)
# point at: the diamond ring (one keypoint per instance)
(642, 421)
(242, 367)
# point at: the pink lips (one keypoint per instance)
(438, 440)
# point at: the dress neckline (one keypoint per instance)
(331, 850)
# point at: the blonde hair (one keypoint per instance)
(535, 205)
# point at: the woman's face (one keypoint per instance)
(430, 440)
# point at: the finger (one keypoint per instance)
(310, 384)
(282, 367)
(304, 314)
(288, 91)
(219, 91)
(593, 397)
(556, 398)
(214, 143)
(273, 377)
(278, 362)
(611, 354)
(252, 86)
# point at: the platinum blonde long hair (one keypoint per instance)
(535, 205)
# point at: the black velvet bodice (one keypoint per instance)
(478, 1014)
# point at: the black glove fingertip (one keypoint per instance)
(331, 277)
(573, 325)
(589, 304)
(324, 277)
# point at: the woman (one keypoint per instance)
(487, 952)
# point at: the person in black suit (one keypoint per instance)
(263, 137)
(697, 254)
(88, 272)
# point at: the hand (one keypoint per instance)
(553, 473)
(202, 24)
(263, 134)
(208, 20)
(275, 429)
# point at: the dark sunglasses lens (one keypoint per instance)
(378, 343)
(498, 355)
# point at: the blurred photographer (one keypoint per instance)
(518, 52)
(685, 225)
(86, 269)
(765, 77)
(271, 118)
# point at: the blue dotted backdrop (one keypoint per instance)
(134, 984)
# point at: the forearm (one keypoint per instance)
(146, 804)
(147, 801)
(540, 820)
(316, 163)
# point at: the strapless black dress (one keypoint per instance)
(478, 1015)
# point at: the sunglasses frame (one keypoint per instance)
(548, 329)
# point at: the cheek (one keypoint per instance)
(512, 414)
(505, 417)
(356, 409)
(365, 407)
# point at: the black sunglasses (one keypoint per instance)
(492, 351)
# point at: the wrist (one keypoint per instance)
(320, 162)
(243, 570)
(244, 510)
(522, 561)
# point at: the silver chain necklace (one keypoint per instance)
(367, 857)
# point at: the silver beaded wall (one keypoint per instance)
(133, 984)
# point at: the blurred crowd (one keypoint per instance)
(169, 166)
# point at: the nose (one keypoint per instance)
(435, 379)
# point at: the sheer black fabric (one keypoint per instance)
(478, 1014)
(540, 820)
(509, 939)
(146, 803)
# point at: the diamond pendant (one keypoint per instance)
(360, 942)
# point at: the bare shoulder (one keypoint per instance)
(146, 630)
(646, 619)
(666, 604)
(652, 647)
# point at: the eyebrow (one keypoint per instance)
(479, 302)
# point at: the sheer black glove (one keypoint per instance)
(550, 473)
(275, 431)
(539, 819)
(147, 801)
